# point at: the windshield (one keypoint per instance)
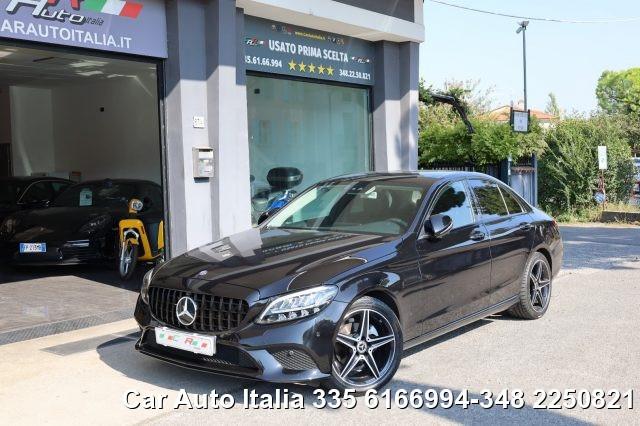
(96, 195)
(10, 191)
(385, 207)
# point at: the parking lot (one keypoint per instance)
(587, 340)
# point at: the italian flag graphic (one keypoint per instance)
(127, 9)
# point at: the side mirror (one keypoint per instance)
(438, 225)
(135, 205)
(266, 215)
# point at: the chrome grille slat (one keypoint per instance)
(216, 313)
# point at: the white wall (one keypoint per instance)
(32, 130)
(120, 142)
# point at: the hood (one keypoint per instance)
(58, 224)
(274, 261)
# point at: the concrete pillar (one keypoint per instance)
(227, 118)
(395, 106)
(202, 79)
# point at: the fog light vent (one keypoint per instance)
(292, 359)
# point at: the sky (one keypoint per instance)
(566, 59)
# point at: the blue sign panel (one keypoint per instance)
(279, 48)
(137, 27)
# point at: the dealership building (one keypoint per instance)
(227, 104)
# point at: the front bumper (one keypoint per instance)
(291, 352)
(65, 253)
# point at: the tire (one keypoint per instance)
(534, 299)
(127, 261)
(355, 350)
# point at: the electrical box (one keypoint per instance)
(202, 162)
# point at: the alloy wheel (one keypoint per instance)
(126, 258)
(364, 348)
(540, 285)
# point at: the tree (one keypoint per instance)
(569, 167)
(618, 92)
(552, 106)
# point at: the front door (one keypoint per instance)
(455, 269)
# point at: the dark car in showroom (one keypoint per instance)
(80, 225)
(24, 193)
(333, 287)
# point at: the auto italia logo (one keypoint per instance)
(44, 9)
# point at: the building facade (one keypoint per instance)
(255, 97)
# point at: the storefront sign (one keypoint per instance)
(302, 52)
(136, 27)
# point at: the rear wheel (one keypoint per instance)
(128, 260)
(535, 290)
(367, 347)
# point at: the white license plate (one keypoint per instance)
(33, 247)
(195, 343)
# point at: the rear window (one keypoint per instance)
(490, 201)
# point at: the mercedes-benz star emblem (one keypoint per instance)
(186, 310)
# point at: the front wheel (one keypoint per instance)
(128, 260)
(367, 347)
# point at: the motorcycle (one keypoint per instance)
(137, 242)
(282, 181)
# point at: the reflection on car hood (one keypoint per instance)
(56, 224)
(274, 261)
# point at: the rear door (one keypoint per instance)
(455, 270)
(508, 225)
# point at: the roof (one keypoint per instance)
(31, 179)
(503, 114)
(428, 176)
(131, 181)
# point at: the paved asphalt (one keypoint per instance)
(589, 339)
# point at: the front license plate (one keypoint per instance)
(33, 247)
(195, 343)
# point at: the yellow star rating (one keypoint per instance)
(330, 70)
(302, 67)
(312, 68)
(292, 65)
(321, 69)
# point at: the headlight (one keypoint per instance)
(146, 282)
(297, 305)
(9, 226)
(95, 225)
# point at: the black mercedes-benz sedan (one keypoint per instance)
(334, 286)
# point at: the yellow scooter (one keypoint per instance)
(136, 243)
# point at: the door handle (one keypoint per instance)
(526, 226)
(477, 236)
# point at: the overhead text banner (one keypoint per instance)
(302, 52)
(136, 27)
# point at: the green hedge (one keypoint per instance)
(568, 170)
(490, 143)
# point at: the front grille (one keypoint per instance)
(79, 253)
(215, 314)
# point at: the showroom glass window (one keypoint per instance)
(490, 201)
(303, 132)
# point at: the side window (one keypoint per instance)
(490, 201)
(59, 187)
(512, 203)
(455, 203)
(38, 192)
